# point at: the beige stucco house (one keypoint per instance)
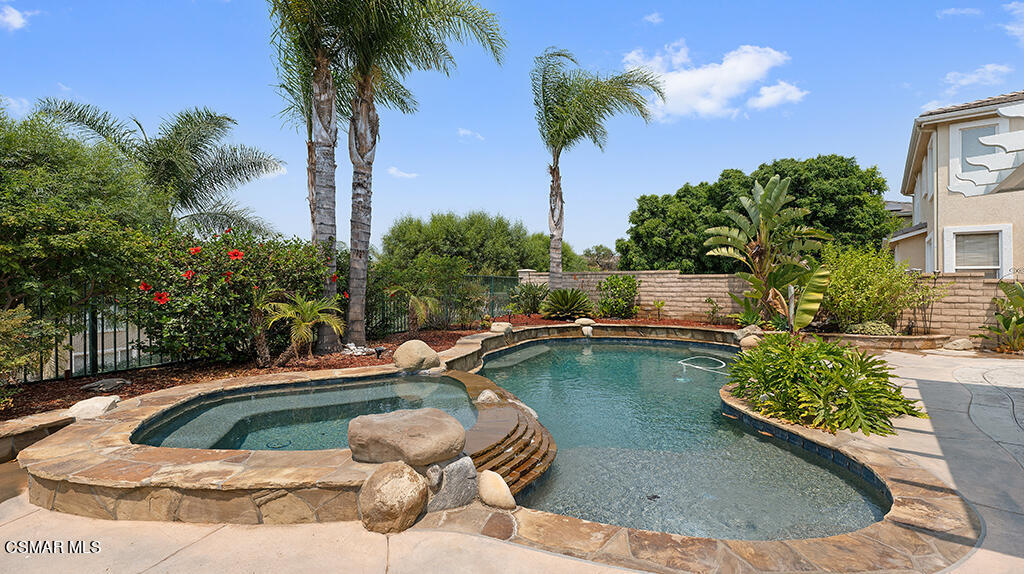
(965, 173)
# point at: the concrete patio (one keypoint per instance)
(974, 440)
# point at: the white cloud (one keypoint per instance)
(16, 107)
(987, 75)
(1016, 26)
(63, 88)
(464, 133)
(771, 96)
(395, 172)
(653, 18)
(708, 90)
(958, 12)
(13, 19)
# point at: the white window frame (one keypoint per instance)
(1005, 232)
(928, 166)
(956, 150)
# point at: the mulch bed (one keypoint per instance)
(39, 397)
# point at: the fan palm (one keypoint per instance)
(185, 158)
(769, 241)
(572, 106)
(367, 47)
(302, 315)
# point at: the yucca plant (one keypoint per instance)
(303, 315)
(566, 304)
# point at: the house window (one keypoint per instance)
(971, 148)
(984, 248)
(978, 252)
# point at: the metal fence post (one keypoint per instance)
(93, 341)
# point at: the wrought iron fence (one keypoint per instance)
(99, 337)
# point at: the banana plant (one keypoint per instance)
(811, 293)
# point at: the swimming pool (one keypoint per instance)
(642, 443)
(299, 417)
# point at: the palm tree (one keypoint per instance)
(572, 105)
(184, 158)
(769, 241)
(303, 314)
(422, 303)
(369, 46)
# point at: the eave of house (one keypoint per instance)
(908, 232)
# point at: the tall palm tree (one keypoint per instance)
(572, 106)
(370, 46)
(185, 158)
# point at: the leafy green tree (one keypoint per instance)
(372, 45)
(73, 217)
(573, 106)
(492, 245)
(843, 199)
(538, 255)
(186, 157)
(601, 257)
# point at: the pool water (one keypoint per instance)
(301, 417)
(642, 443)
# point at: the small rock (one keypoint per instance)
(105, 385)
(749, 342)
(588, 331)
(94, 407)
(959, 345)
(433, 475)
(418, 437)
(586, 322)
(488, 396)
(415, 355)
(747, 331)
(392, 498)
(500, 327)
(494, 492)
(458, 485)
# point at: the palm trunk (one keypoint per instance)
(556, 223)
(362, 145)
(322, 201)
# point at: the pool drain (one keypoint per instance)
(276, 444)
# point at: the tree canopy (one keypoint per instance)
(842, 199)
(491, 244)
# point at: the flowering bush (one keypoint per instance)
(197, 299)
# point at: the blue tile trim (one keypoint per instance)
(824, 452)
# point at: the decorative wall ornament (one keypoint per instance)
(982, 153)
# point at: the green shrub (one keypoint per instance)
(22, 339)
(196, 299)
(751, 313)
(876, 328)
(566, 304)
(1008, 330)
(526, 298)
(618, 296)
(820, 384)
(870, 285)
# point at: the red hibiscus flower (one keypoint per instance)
(345, 294)
(334, 278)
(143, 286)
(235, 254)
(195, 250)
(228, 230)
(227, 275)
(160, 297)
(255, 287)
(391, 294)
(188, 275)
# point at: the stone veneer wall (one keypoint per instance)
(966, 307)
(684, 295)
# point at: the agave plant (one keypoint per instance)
(769, 241)
(566, 304)
(302, 315)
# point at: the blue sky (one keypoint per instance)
(747, 82)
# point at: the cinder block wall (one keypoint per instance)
(684, 295)
(966, 307)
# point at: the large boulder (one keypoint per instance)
(749, 342)
(585, 321)
(415, 355)
(747, 331)
(959, 345)
(456, 487)
(494, 492)
(418, 437)
(392, 498)
(94, 407)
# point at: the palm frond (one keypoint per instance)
(93, 123)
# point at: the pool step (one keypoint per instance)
(523, 452)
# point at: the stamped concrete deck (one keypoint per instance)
(974, 441)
